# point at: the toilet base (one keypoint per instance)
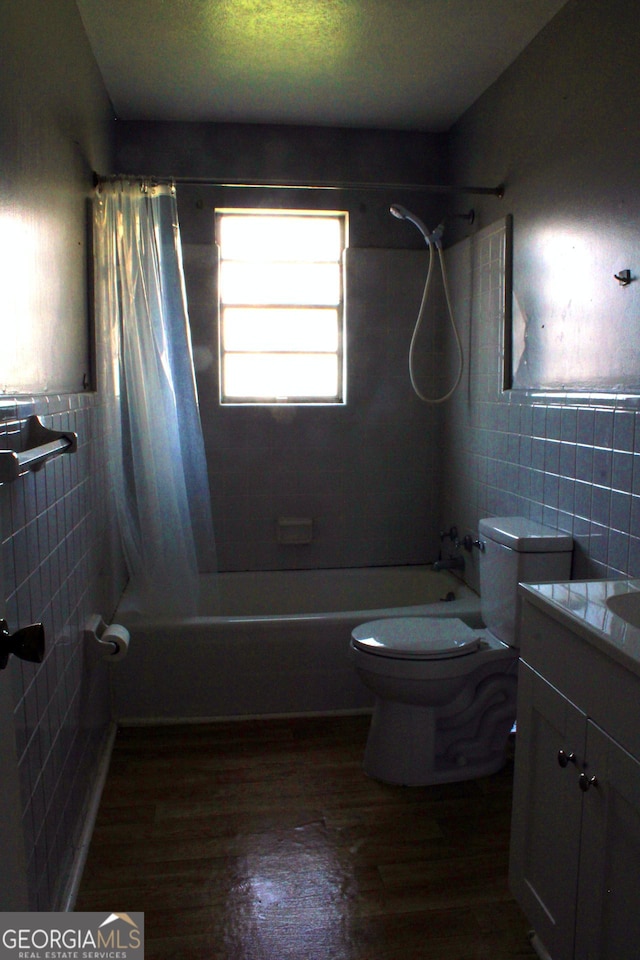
(401, 744)
(416, 745)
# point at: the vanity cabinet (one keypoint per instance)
(575, 841)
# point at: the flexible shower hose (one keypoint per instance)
(421, 312)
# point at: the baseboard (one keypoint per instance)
(70, 892)
(175, 721)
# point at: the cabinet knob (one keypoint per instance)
(565, 758)
(584, 782)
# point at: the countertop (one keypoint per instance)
(581, 606)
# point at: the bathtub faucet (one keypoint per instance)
(453, 563)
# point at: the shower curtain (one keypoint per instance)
(145, 371)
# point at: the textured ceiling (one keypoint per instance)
(403, 64)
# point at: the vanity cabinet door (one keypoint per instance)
(545, 832)
(608, 912)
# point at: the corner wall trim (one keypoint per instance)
(72, 887)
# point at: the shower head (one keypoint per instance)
(401, 213)
(398, 211)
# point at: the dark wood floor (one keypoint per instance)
(263, 840)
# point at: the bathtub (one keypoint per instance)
(271, 643)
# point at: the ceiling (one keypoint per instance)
(387, 64)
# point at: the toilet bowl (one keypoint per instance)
(445, 692)
(437, 717)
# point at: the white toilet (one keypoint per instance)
(446, 693)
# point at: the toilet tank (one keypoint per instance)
(517, 550)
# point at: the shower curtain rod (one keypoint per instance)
(304, 185)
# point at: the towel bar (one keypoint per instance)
(42, 445)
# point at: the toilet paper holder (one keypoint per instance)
(108, 642)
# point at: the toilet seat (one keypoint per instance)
(416, 638)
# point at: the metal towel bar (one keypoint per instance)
(42, 445)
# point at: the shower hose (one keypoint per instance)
(421, 313)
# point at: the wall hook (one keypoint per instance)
(624, 277)
(27, 644)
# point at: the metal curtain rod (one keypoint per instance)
(303, 185)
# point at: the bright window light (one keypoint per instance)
(281, 306)
(281, 376)
(284, 283)
(281, 329)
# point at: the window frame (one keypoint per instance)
(339, 399)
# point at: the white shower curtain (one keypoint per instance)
(145, 369)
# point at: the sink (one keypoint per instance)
(626, 606)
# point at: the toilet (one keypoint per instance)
(445, 692)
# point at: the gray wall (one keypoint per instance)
(58, 561)
(364, 472)
(560, 129)
(56, 124)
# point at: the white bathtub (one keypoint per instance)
(271, 643)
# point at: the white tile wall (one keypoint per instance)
(59, 566)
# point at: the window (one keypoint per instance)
(281, 294)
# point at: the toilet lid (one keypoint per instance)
(416, 638)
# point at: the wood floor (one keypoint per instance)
(263, 840)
